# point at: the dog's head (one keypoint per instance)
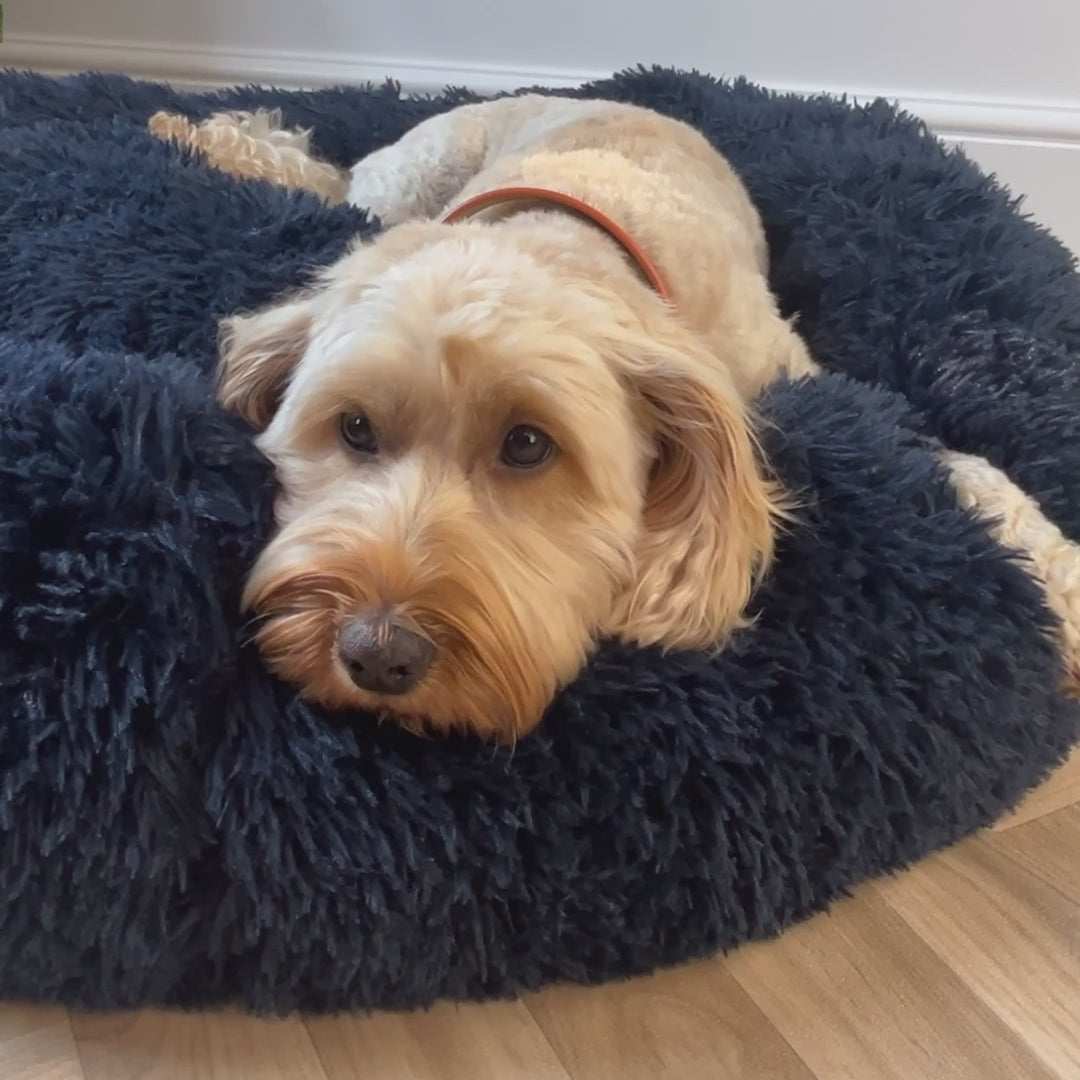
(488, 457)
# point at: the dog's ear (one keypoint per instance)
(258, 353)
(710, 512)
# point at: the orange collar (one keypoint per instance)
(499, 196)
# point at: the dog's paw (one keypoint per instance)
(394, 185)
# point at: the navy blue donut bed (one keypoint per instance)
(176, 828)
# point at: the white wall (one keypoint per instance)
(1001, 77)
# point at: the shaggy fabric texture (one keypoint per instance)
(176, 828)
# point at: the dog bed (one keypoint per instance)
(175, 827)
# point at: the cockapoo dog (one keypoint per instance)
(519, 419)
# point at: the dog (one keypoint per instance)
(517, 421)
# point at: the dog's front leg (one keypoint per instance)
(419, 174)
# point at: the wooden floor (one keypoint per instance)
(967, 966)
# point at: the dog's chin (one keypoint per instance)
(490, 677)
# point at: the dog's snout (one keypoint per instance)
(382, 656)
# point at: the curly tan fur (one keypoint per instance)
(1017, 523)
(253, 146)
(656, 516)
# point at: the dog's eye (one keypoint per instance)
(526, 447)
(358, 434)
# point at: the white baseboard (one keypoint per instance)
(207, 66)
(211, 67)
(1034, 145)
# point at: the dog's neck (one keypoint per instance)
(516, 199)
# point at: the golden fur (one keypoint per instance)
(257, 148)
(1014, 519)
(654, 518)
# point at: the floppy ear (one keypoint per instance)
(710, 513)
(258, 354)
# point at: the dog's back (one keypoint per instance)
(659, 177)
(664, 183)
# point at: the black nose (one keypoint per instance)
(382, 656)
